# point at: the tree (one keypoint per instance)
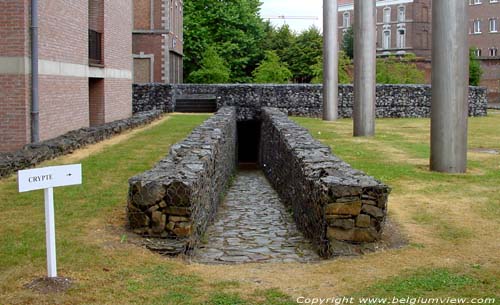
(345, 68)
(233, 26)
(348, 43)
(271, 70)
(475, 71)
(304, 53)
(279, 40)
(213, 70)
(394, 70)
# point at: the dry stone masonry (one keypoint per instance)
(333, 204)
(393, 101)
(178, 197)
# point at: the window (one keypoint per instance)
(387, 15)
(401, 43)
(493, 52)
(477, 52)
(346, 21)
(493, 1)
(386, 39)
(475, 2)
(477, 27)
(401, 13)
(493, 25)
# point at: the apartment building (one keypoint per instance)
(85, 66)
(158, 41)
(484, 38)
(403, 26)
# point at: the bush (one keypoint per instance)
(344, 67)
(475, 71)
(393, 70)
(271, 70)
(213, 69)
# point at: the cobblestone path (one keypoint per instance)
(252, 225)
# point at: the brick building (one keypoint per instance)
(484, 37)
(404, 26)
(157, 41)
(85, 69)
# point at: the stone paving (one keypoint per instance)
(252, 225)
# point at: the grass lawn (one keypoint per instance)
(452, 222)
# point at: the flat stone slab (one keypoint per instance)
(252, 225)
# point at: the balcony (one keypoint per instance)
(95, 48)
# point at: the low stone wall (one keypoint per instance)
(393, 101)
(178, 197)
(33, 154)
(334, 205)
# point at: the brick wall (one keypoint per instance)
(150, 44)
(14, 15)
(14, 107)
(64, 105)
(14, 112)
(64, 31)
(118, 97)
(118, 55)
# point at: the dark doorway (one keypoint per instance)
(248, 142)
(96, 101)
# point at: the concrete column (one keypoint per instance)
(364, 67)
(450, 68)
(330, 60)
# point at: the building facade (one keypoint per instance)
(484, 38)
(85, 69)
(157, 41)
(403, 26)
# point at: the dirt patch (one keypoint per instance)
(46, 285)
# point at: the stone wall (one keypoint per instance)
(334, 205)
(178, 197)
(33, 154)
(393, 101)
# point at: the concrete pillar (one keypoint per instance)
(364, 67)
(449, 108)
(330, 60)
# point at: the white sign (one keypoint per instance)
(54, 176)
(47, 178)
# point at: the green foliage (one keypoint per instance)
(393, 70)
(475, 71)
(303, 55)
(345, 65)
(234, 26)
(279, 40)
(213, 70)
(348, 43)
(271, 70)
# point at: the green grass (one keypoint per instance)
(453, 214)
(428, 283)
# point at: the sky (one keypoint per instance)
(309, 8)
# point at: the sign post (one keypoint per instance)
(47, 178)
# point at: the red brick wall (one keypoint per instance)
(96, 15)
(14, 112)
(14, 94)
(14, 32)
(64, 105)
(118, 95)
(64, 30)
(150, 44)
(96, 101)
(118, 55)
